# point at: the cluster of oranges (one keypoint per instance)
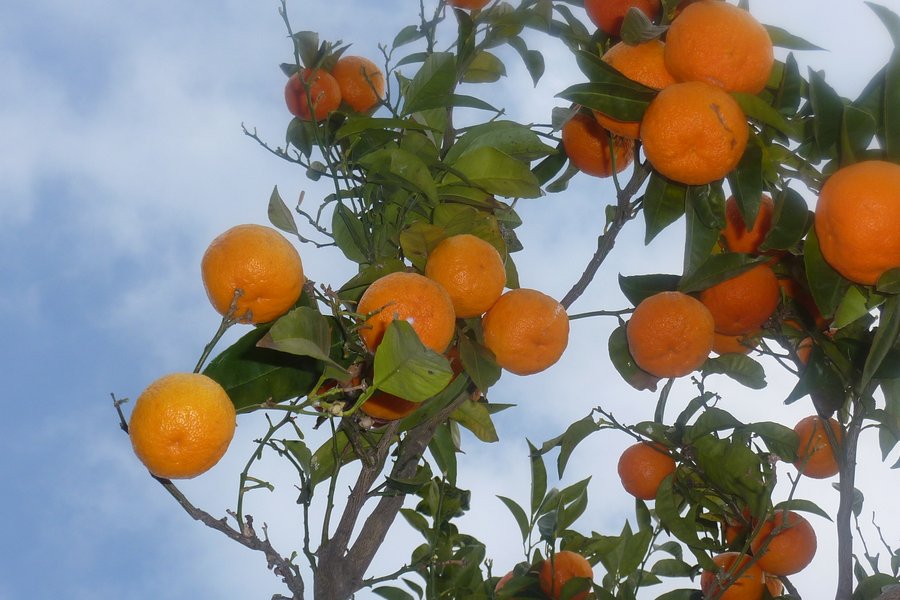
(311, 94)
(693, 131)
(555, 572)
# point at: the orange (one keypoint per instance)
(388, 407)
(469, 4)
(361, 82)
(527, 331)
(471, 270)
(608, 15)
(804, 349)
(791, 544)
(734, 344)
(315, 88)
(816, 457)
(737, 236)
(670, 334)
(642, 63)
(557, 570)
(642, 467)
(587, 145)
(181, 425)
(694, 132)
(720, 44)
(749, 584)
(411, 297)
(743, 303)
(258, 263)
(857, 220)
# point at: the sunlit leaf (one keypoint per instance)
(484, 68)
(511, 138)
(406, 368)
(432, 84)
(475, 417)
(496, 172)
(302, 332)
(349, 234)
(279, 214)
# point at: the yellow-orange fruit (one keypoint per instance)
(472, 272)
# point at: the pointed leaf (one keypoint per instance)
(664, 203)
(739, 367)
(624, 363)
(885, 339)
(406, 368)
(432, 84)
(475, 417)
(639, 287)
(496, 172)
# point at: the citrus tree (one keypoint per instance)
(366, 383)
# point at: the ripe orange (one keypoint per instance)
(642, 63)
(388, 407)
(587, 145)
(608, 15)
(361, 82)
(527, 331)
(737, 236)
(557, 570)
(181, 425)
(670, 334)
(324, 94)
(469, 4)
(857, 220)
(642, 467)
(411, 297)
(743, 303)
(471, 270)
(694, 132)
(260, 264)
(734, 344)
(720, 44)
(816, 457)
(791, 546)
(749, 585)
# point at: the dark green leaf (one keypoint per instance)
(891, 107)
(355, 287)
(718, 268)
(401, 167)
(637, 27)
(574, 435)
(854, 305)
(672, 567)
(827, 110)
(479, 363)
(664, 203)
(392, 593)
(889, 429)
(508, 137)
(349, 234)
(747, 183)
(624, 363)
(253, 375)
(408, 34)
(701, 238)
(759, 110)
(790, 220)
(279, 214)
(780, 440)
(534, 60)
(785, 39)
(886, 336)
(518, 514)
(406, 368)
(857, 132)
(825, 284)
(798, 504)
(302, 332)
(889, 19)
(739, 367)
(623, 102)
(538, 478)
(443, 447)
(711, 420)
(889, 282)
(682, 594)
(639, 287)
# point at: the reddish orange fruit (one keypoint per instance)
(472, 272)
(791, 544)
(557, 570)
(642, 467)
(388, 407)
(588, 147)
(743, 303)
(322, 96)
(749, 585)
(816, 457)
(361, 82)
(608, 15)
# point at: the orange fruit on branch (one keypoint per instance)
(749, 585)
(670, 334)
(257, 263)
(816, 457)
(791, 544)
(527, 331)
(742, 304)
(694, 132)
(734, 344)
(471, 270)
(382, 406)
(642, 63)
(857, 220)
(642, 467)
(558, 569)
(181, 425)
(587, 144)
(312, 94)
(720, 44)
(411, 297)
(361, 82)
(608, 15)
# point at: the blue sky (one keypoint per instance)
(121, 157)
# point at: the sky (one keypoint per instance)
(122, 156)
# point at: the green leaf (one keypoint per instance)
(739, 367)
(479, 363)
(357, 284)
(484, 68)
(764, 113)
(730, 466)
(336, 452)
(637, 27)
(538, 478)
(404, 367)
(574, 435)
(624, 363)
(718, 268)
(280, 215)
(682, 594)
(475, 417)
(857, 131)
(790, 88)
(711, 420)
(669, 515)
(443, 448)
(701, 238)
(408, 34)
(889, 282)
(872, 586)
(889, 19)
(780, 440)
(401, 167)
(747, 183)
(640, 287)
(534, 60)
(854, 305)
(672, 567)
(518, 514)
(510, 138)
(889, 436)
(418, 240)
(349, 234)
(797, 504)
(891, 107)
(825, 284)
(622, 102)
(495, 172)
(885, 339)
(790, 220)
(303, 332)
(827, 110)
(432, 85)
(392, 593)
(252, 375)
(358, 124)
(785, 39)
(663, 204)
